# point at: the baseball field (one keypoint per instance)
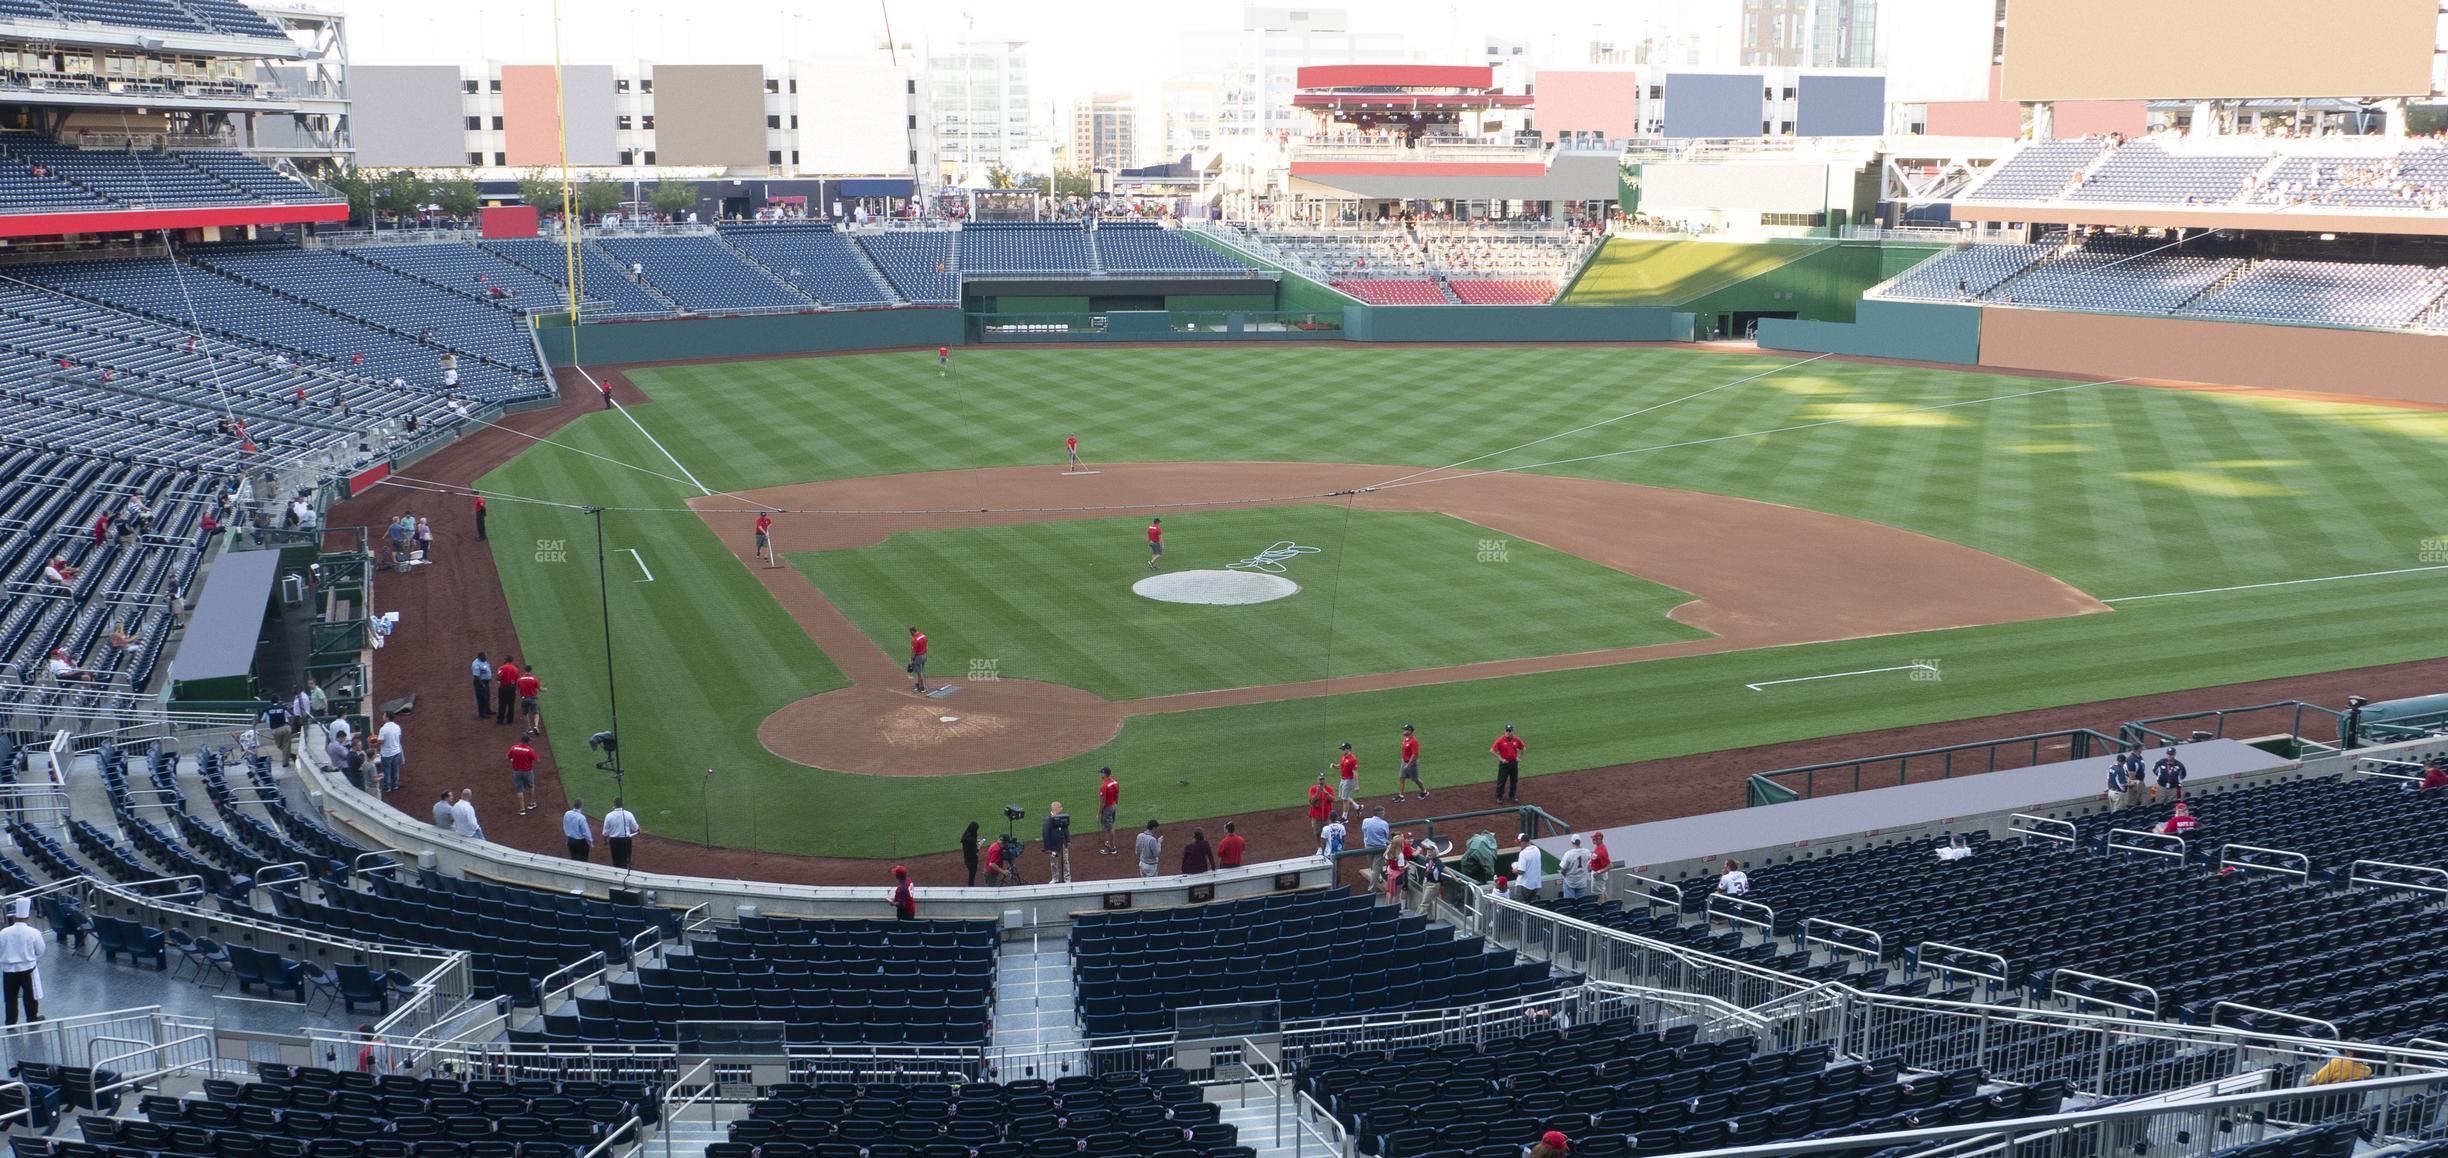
(1607, 547)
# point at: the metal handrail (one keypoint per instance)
(1650, 894)
(688, 927)
(2331, 1026)
(631, 945)
(299, 865)
(626, 1128)
(94, 1067)
(392, 858)
(1766, 927)
(2370, 766)
(2145, 834)
(2027, 824)
(1921, 955)
(1878, 942)
(545, 991)
(2354, 875)
(24, 1093)
(671, 1111)
(197, 891)
(2056, 986)
(2227, 859)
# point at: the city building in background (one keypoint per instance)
(1104, 132)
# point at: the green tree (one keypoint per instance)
(353, 184)
(457, 196)
(598, 195)
(673, 197)
(542, 190)
(1074, 183)
(400, 192)
(1000, 176)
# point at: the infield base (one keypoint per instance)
(1215, 588)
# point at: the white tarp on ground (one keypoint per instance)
(1215, 587)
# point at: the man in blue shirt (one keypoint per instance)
(574, 827)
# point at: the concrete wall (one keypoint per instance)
(2375, 363)
(1919, 331)
(403, 115)
(813, 333)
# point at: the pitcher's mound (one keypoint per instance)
(1215, 587)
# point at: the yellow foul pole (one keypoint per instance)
(569, 210)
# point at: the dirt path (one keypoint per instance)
(1762, 575)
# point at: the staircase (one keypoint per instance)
(2226, 279)
(1035, 1005)
(1253, 1112)
(875, 274)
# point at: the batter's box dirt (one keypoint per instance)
(919, 727)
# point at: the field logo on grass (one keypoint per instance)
(983, 670)
(1272, 559)
(2434, 550)
(1495, 551)
(1925, 671)
(552, 551)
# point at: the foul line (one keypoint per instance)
(641, 429)
(1841, 674)
(2279, 583)
(641, 562)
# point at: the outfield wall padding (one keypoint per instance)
(1515, 324)
(1917, 331)
(753, 335)
(2372, 363)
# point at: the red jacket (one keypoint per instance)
(1507, 747)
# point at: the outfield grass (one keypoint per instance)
(1631, 272)
(2121, 491)
(1053, 601)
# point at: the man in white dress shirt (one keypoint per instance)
(463, 815)
(1529, 867)
(620, 827)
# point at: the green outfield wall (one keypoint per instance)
(1822, 285)
(1916, 331)
(755, 335)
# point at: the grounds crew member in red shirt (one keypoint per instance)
(522, 772)
(1109, 797)
(1228, 850)
(1347, 769)
(943, 361)
(505, 699)
(529, 687)
(1155, 542)
(1071, 447)
(480, 518)
(1508, 749)
(904, 900)
(764, 537)
(1321, 804)
(1410, 766)
(917, 662)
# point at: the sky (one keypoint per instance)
(1073, 48)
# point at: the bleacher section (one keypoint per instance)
(49, 500)
(918, 263)
(808, 982)
(2194, 277)
(1618, 1088)
(1145, 247)
(1432, 263)
(813, 257)
(222, 17)
(467, 270)
(354, 1114)
(91, 179)
(310, 334)
(601, 280)
(2039, 171)
(701, 273)
(1042, 247)
(1502, 292)
(2148, 173)
(1321, 954)
(1158, 1112)
(1393, 291)
(2311, 947)
(378, 297)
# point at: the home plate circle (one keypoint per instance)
(1221, 588)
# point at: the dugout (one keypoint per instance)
(216, 662)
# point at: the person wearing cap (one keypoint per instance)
(2122, 783)
(1054, 836)
(1529, 867)
(2180, 823)
(904, 898)
(574, 828)
(1575, 866)
(21, 950)
(2170, 773)
(1410, 766)
(1551, 1144)
(1600, 859)
(1508, 748)
(1347, 770)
